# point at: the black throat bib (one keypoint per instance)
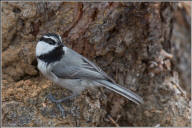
(52, 56)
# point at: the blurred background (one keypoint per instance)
(145, 47)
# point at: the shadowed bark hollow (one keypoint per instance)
(143, 46)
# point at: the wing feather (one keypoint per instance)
(75, 66)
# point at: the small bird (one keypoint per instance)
(72, 71)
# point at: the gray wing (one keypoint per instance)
(75, 66)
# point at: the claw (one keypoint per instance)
(61, 109)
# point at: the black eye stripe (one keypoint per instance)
(48, 40)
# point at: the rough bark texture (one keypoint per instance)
(144, 46)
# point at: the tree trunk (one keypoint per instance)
(143, 46)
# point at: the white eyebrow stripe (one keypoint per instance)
(60, 38)
(51, 38)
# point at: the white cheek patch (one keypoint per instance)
(43, 48)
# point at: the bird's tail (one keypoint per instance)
(122, 91)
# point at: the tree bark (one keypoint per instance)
(143, 46)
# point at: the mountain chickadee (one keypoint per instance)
(72, 71)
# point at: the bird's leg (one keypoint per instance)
(50, 96)
(58, 102)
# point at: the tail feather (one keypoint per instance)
(122, 91)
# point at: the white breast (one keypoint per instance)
(45, 70)
(42, 66)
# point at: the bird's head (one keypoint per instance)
(49, 47)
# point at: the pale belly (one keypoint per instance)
(76, 85)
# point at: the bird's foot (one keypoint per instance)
(58, 102)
